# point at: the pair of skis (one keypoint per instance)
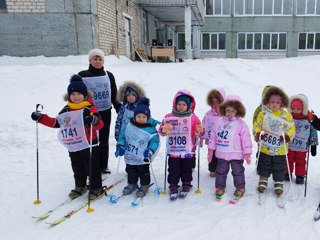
(279, 199)
(134, 203)
(233, 201)
(75, 210)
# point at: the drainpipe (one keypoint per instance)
(117, 30)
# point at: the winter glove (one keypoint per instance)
(147, 155)
(88, 117)
(120, 151)
(286, 138)
(210, 155)
(260, 137)
(36, 116)
(199, 128)
(247, 157)
(314, 150)
(166, 128)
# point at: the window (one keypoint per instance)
(309, 41)
(3, 4)
(308, 7)
(263, 7)
(181, 41)
(213, 41)
(218, 7)
(262, 41)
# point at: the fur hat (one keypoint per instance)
(143, 108)
(297, 100)
(184, 98)
(233, 101)
(273, 90)
(132, 86)
(95, 52)
(218, 93)
(77, 85)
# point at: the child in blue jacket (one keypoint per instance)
(138, 142)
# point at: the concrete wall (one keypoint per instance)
(59, 28)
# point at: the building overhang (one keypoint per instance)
(172, 12)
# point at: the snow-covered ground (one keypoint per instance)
(28, 81)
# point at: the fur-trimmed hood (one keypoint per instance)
(218, 93)
(273, 90)
(122, 89)
(187, 93)
(303, 98)
(233, 101)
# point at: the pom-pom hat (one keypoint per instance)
(77, 85)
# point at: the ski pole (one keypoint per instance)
(259, 150)
(38, 201)
(287, 160)
(157, 190)
(112, 197)
(164, 192)
(305, 183)
(198, 191)
(89, 210)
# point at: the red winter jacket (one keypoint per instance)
(53, 123)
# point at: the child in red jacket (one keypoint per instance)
(75, 121)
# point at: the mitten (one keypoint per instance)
(166, 128)
(247, 157)
(199, 128)
(36, 116)
(210, 155)
(314, 150)
(310, 116)
(120, 151)
(286, 138)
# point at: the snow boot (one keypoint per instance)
(77, 191)
(299, 180)
(212, 174)
(185, 189)
(263, 182)
(278, 188)
(239, 192)
(173, 192)
(142, 191)
(93, 194)
(220, 191)
(129, 189)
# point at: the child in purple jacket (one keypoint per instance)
(231, 142)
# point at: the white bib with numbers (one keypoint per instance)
(72, 134)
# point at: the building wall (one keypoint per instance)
(111, 24)
(27, 6)
(292, 25)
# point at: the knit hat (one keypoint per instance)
(95, 52)
(143, 108)
(297, 103)
(130, 90)
(77, 85)
(184, 98)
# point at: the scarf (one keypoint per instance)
(77, 106)
(97, 71)
(181, 114)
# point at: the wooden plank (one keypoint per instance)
(142, 55)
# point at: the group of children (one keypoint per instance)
(283, 128)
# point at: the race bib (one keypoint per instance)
(225, 136)
(301, 138)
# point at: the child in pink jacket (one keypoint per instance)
(214, 99)
(231, 141)
(181, 127)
